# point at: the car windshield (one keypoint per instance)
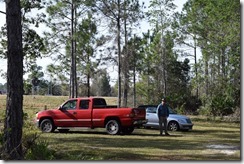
(154, 110)
(171, 111)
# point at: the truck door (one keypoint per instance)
(84, 113)
(66, 117)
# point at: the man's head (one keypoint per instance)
(163, 99)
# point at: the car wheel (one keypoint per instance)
(47, 126)
(127, 130)
(173, 126)
(113, 127)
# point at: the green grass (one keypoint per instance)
(208, 141)
(146, 144)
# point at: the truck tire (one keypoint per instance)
(47, 126)
(113, 127)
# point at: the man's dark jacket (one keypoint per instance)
(162, 110)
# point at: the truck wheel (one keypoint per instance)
(127, 130)
(47, 126)
(113, 127)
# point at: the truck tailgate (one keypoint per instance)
(139, 113)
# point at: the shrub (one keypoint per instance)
(35, 149)
(205, 110)
(235, 117)
(39, 151)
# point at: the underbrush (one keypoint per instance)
(36, 149)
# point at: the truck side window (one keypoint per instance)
(84, 104)
(99, 103)
(70, 105)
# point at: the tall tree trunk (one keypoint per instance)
(195, 57)
(73, 58)
(164, 65)
(134, 74)
(163, 56)
(72, 53)
(206, 59)
(223, 57)
(14, 111)
(125, 62)
(88, 69)
(134, 81)
(70, 83)
(164, 72)
(75, 53)
(119, 56)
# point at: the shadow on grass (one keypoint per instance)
(96, 154)
(103, 140)
(100, 146)
(142, 144)
(155, 135)
(155, 132)
(82, 132)
(105, 133)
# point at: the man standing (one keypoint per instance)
(163, 114)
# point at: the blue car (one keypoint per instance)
(176, 122)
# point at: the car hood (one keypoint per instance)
(178, 116)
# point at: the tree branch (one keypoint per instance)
(2, 12)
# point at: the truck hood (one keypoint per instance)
(47, 112)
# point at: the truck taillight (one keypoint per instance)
(134, 112)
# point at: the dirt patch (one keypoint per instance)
(225, 149)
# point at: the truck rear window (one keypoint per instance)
(99, 103)
(84, 104)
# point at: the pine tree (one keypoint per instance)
(14, 109)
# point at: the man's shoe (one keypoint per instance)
(167, 134)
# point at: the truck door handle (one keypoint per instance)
(74, 113)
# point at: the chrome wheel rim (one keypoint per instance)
(47, 127)
(173, 126)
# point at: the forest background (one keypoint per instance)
(191, 56)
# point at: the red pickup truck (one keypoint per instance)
(91, 112)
